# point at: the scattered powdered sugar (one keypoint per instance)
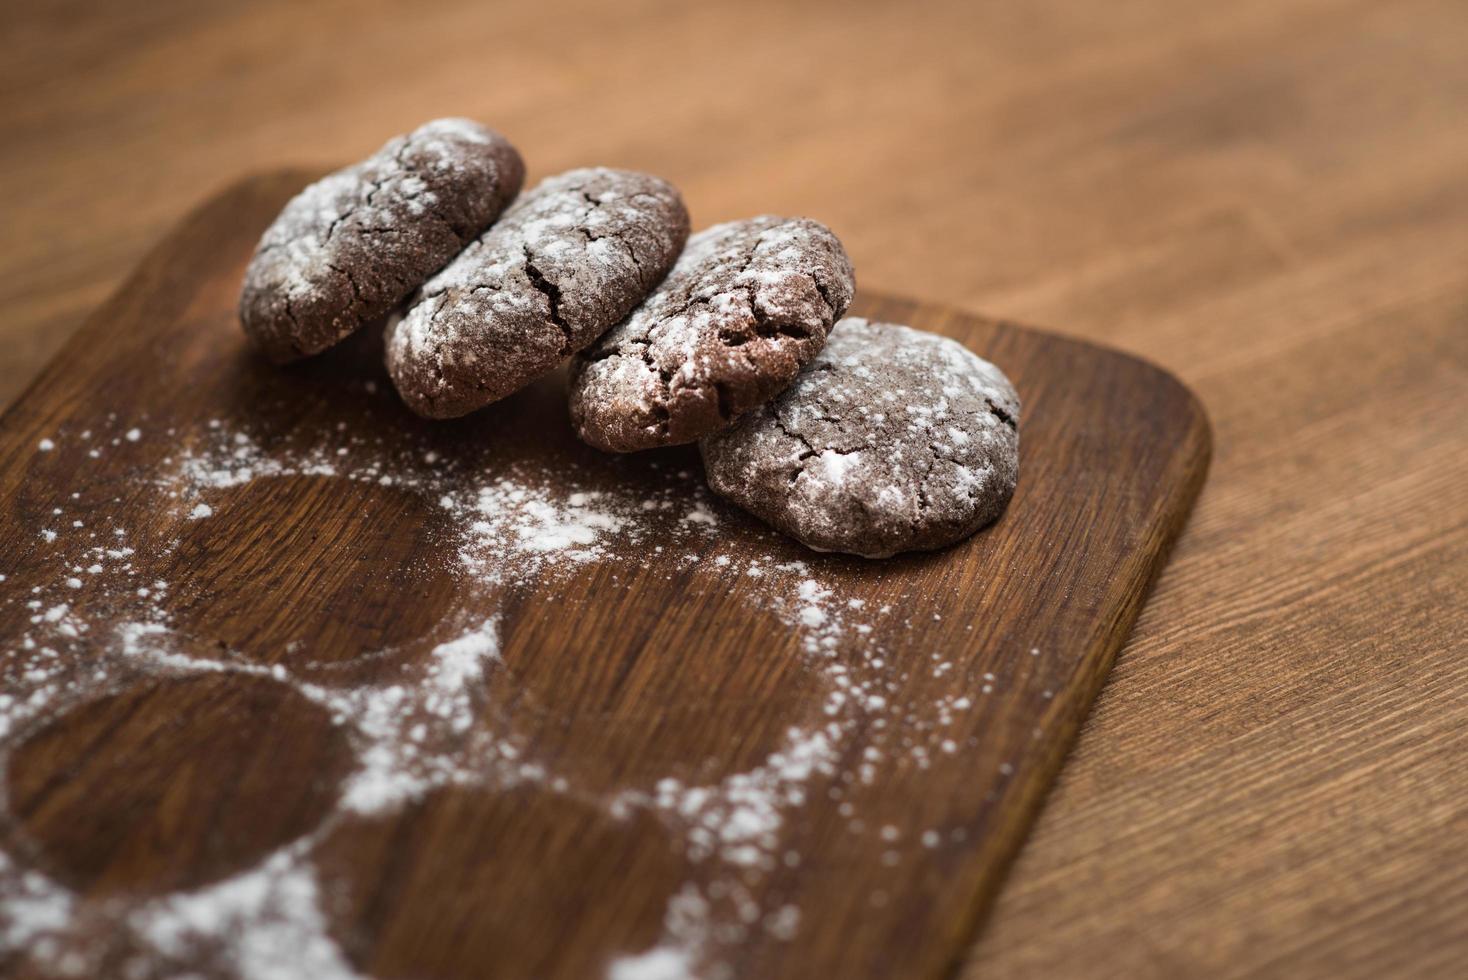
(739, 819)
(101, 621)
(410, 737)
(454, 667)
(658, 963)
(510, 516)
(33, 908)
(269, 920)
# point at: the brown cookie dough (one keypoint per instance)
(351, 246)
(748, 304)
(569, 260)
(891, 440)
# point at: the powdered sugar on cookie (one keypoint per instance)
(352, 245)
(892, 439)
(570, 259)
(747, 305)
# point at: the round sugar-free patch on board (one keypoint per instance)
(175, 784)
(566, 262)
(891, 440)
(353, 245)
(748, 304)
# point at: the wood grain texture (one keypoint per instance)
(1265, 197)
(617, 676)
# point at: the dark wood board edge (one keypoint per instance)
(1192, 462)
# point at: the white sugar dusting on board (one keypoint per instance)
(269, 920)
(98, 619)
(740, 818)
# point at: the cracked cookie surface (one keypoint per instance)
(566, 262)
(351, 246)
(892, 439)
(748, 304)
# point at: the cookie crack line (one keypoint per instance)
(738, 319)
(945, 457)
(398, 166)
(616, 236)
(351, 280)
(693, 299)
(764, 326)
(637, 262)
(682, 309)
(399, 169)
(463, 234)
(621, 239)
(1002, 415)
(290, 313)
(723, 400)
(802, 460)
(594, 205)
(375, 185)
(825, 293)
(442, 300)
(552, 294)
(922, 487)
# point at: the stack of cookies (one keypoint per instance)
(849, 436)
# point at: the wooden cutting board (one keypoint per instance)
(295, 678)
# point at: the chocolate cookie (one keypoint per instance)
(890, 440)
(569, 260)
(348, 248)
(748, 304)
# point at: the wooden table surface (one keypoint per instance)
(1268, 198)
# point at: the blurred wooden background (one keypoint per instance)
(1269, 198)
